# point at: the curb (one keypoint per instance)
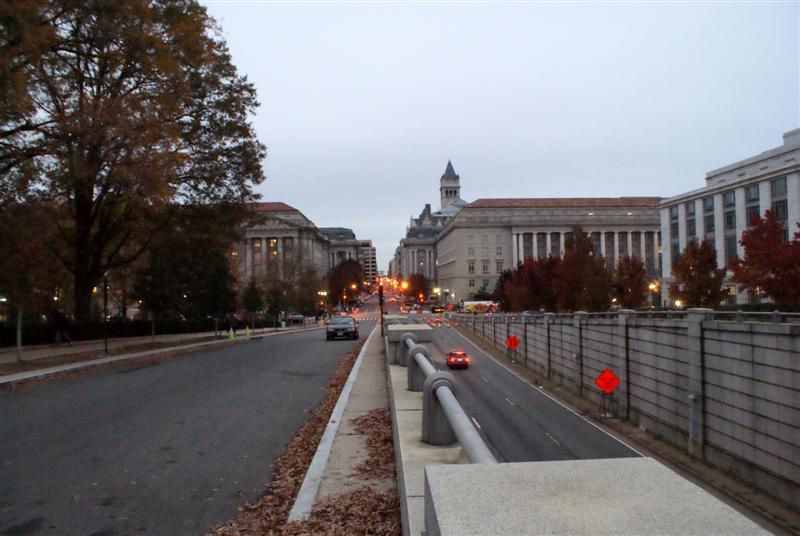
(301, 509)
(51, 371)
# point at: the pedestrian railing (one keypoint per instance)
(443, 419)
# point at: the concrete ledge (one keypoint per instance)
(411, 454)
(618, 496)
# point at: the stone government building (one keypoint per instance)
(466, 246)
(489, 236)
(286, 241)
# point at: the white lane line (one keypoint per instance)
(510, 402)
(557, 401)
(484, 379)
(553, 438)
(476, 423)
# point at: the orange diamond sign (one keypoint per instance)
(512, 342)
(607, 381)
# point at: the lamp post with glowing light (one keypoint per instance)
(654, 287)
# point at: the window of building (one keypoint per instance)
(730, 248)
(690, 209)
(485, 284)
(485, 251)
(751, 194)
(708, 221)
(691, 230)
(708, 204)
(471, 238)
(471, 267)
(778, 187)
(471, 283)
(485, 239)
(729, 199)
(673, 213)
(730, 220)
(485, 266)
(499, 266)
(498, 238)
(499, 250)
(780, 205)
(471, 251)
(752, 206)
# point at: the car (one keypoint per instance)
(457, 359)
(296, 317)
(437, 309)
(341, 326)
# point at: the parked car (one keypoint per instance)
(437, 309)
(457, 359)
(345, 327)
(295, 317)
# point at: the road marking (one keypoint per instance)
(545, 393)
(510, 402)
(476, 423)
(553, 438)
(484, 379)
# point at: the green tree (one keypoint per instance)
(770, 264)
(698, 281)
(188, 272)
(118, 112)
(482, 294)
(630, 283)
(345, 279)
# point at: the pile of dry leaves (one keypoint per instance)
(376, 425)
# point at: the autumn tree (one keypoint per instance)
(30, 277)
(698, 281)
(770, 263)
(630, 283)
(252, 301)
(582, 282)
(118, 112)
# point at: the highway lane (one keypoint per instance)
(518, 422)
(165, 448)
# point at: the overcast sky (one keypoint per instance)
(362, 103)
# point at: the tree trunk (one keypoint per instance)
(83, 295)
(19, 335)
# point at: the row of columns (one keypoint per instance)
(414, 263)
(299, 242)
(517, 244)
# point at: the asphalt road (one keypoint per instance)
(170, 448)
(517, 421)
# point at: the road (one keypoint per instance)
(167, 448)
(518, 421)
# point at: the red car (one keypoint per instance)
(457, 359)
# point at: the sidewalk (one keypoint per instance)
(48, 360)
(8, 354)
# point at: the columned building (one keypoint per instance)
(344, 245)
(491, 235)
(280, 243)
(416, 253)
(722, 210)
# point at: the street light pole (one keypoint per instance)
(105, 313)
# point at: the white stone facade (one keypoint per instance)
(491, 235)
(721, 211)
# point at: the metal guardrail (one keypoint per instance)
(443, 418)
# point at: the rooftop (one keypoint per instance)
(272, 206)
(568, 202)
